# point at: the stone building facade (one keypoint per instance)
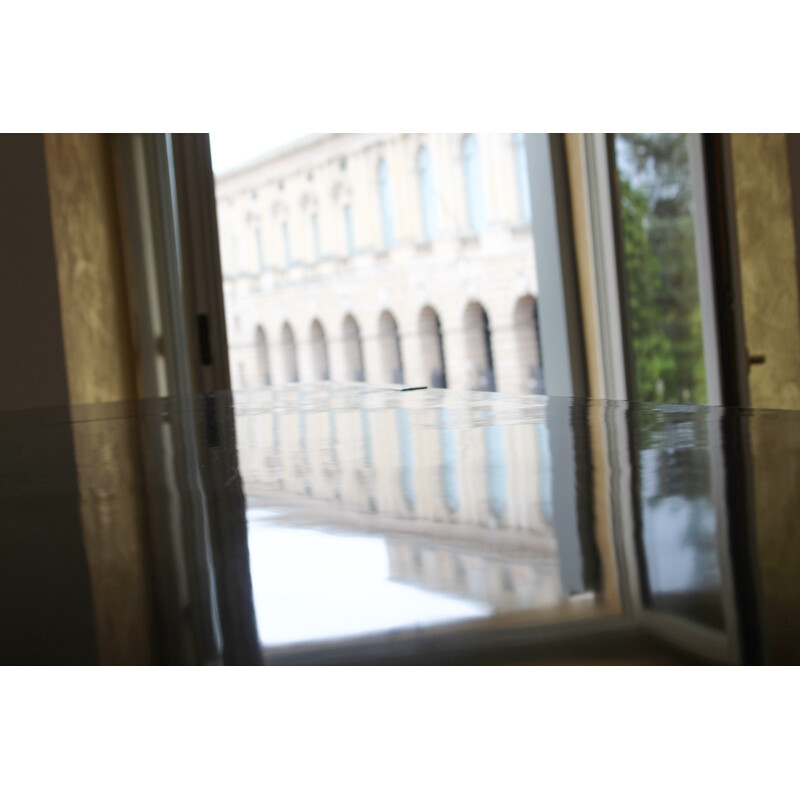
(385, 258)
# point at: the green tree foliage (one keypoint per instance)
(653, 359)
(660, 262)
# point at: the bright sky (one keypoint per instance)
(229, 150)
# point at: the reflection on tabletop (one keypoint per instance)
(359, 524)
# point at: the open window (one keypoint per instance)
(427, 264)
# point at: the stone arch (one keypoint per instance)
(526, 336)
(432, 348)
(391, 355)
(478, 348)
(353, 350)
(263, 377)
(289, 349)
(319, 352)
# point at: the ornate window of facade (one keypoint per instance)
(473, 182)
(310, 243)
(259, 250)
(349, 230)
(280, 241)
(521, 170)
(252, 223)
(427, 194)
(342, 202)
(386, 204)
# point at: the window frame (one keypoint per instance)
(618, 377)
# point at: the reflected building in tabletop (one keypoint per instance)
(356, 524)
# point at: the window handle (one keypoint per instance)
(204, 339)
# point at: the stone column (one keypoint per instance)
(305, 356)
(507, 369)
(457, 363)
(371, 355)
(336, 357)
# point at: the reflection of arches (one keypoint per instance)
(478, 341)
(449, 460)
(353, 353)
(407, 460)
(526, 334)
(495, 469)
(391, 358)
(319, 352)
(432, 348)
(523, 181)
(289, 349)
(263, 376)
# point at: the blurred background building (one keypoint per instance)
(386, 258)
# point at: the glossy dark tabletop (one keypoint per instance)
(357, 524)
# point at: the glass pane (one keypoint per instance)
(654, 200)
